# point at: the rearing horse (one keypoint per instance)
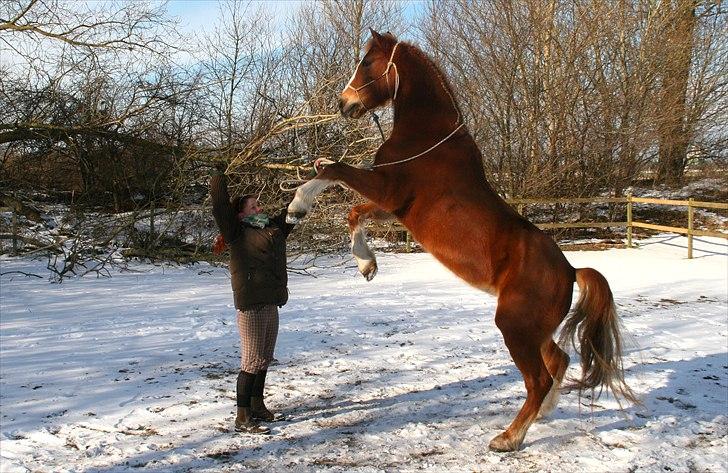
(429, 175)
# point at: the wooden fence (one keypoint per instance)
(520, 204)
(630, 224)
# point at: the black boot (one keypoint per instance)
(244, 421)
(257, 406)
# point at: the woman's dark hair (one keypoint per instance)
(238, 202)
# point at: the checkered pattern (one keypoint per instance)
(258, 327)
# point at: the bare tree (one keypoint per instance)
(83, 75)
(564, 98)
(575, 98)
(86, 25)
(234, 50)
(673, 127)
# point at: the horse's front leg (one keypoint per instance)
(365, 259)
(368, 183)
(302, 202)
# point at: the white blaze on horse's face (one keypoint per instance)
(353, 76)
(350, 101)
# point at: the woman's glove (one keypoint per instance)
(218, 169)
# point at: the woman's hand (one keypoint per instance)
(320, 164)
(218, 169)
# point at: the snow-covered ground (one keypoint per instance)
(405, 373)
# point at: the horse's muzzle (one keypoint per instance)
(351, 109)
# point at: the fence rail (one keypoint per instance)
(691, 204)
(630, 224)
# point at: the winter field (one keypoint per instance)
(405, 373)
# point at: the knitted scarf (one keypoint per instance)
(256, 220)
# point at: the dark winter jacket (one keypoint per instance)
(257, 255)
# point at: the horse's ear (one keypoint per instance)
(389, 35)
(377, 37)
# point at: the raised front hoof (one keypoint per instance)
(369, 271)
(294, 217)
(504, 443)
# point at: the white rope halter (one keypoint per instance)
(385, 74)
(290, 185)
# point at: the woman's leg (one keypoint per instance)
(252, 330)
(259, 410)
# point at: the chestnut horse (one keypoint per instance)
(429, 175)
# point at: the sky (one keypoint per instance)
(195, 15)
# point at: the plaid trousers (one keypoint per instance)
(258, 328)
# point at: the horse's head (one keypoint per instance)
(375, 79)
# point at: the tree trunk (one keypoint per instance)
(674, 128)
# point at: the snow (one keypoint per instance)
(405, 373)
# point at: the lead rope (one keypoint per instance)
(375, 117)
(420, 154)
(291, 185)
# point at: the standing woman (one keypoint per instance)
(260, 286)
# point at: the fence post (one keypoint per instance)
(691, 211)
(15, 232)
(151, 221)
(629, 220)
(408, 244)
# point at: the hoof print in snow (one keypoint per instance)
(56, 414)
(226, 455)
(677, 402)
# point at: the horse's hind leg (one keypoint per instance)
(365, 259)
(556, 362)
(523, 339)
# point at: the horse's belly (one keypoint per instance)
(467, 260)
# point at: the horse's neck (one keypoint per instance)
(423, 106)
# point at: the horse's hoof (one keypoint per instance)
(504, 443)
(294, 217)
(369, 271)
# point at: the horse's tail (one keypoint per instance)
(594, 321)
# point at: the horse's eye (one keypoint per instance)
(365, 62)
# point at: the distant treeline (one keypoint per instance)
(565, 98)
